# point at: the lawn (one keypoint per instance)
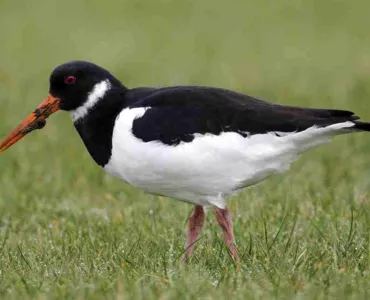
(70, 231)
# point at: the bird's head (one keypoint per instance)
(75, 87)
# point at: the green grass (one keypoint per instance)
(70, 231)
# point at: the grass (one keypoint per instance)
(70, 231)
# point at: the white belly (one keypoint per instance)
(210, 167)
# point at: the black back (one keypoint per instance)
(177, 113)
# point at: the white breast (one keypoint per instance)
(210, 167)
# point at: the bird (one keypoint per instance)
(195, 144)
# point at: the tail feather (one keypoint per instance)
(327, 117)
(363, 126)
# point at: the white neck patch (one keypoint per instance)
(94, 96)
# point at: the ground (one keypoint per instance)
(70, 231)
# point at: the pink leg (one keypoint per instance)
(195, 225)
(225, 221)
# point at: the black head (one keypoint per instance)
(73, 81)
(75, 86)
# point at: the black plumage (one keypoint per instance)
(177, 113)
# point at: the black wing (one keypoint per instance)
(177, 113)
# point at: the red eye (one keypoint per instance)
(70, 79)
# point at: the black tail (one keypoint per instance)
(363, 126)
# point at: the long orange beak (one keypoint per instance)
(36, 120)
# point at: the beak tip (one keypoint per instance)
(34, 121)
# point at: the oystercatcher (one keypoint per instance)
(195, 144)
